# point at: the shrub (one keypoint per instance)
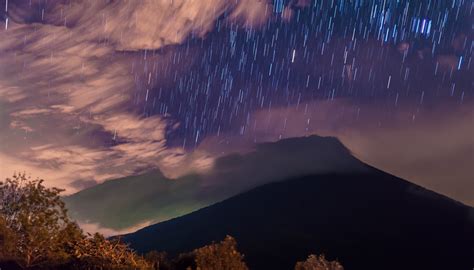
(158, 260)
(96, 252)
(220, 256)
(318, 263)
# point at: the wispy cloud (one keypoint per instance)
(427, 146)
(95, 227)
(73, 72)
(74, 77)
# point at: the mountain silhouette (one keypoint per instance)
(366, 220)
(152, 197)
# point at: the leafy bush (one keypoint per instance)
(158, 260)
(216, 256)
(220, 256)
(315, 262)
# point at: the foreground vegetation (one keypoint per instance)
(36, 233)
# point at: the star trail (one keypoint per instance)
(368, 51)
(96, 90)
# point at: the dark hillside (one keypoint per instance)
(366, 221)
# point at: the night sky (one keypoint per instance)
(96, 90)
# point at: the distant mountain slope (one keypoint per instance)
(367, 220)
(125, 202)
(131, 200)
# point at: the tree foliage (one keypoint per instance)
(35, 231)
(96, 252)
(38, 219)
(216, 256)
(159, 260)
(220, 256)
(7, 240)
(315, 262)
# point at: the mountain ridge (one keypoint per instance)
(125, 202)
(388, 218)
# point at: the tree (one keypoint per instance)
(96, 252)
(184, 261)
(220, 256)
(35, 231)
(158, 260)
(318, 263)
(38, 219)
(7, 247)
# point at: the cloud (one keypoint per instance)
(30, 112)
(82, 124)
(132, 128)
(83, 184)
(139, 25)
(21, 125)
(96, 228)
(10, 94)
(185, 163)
(54, 177)
(252, 13)
(73, 73)
(52, 83)
(430, 146)
(75, 76)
